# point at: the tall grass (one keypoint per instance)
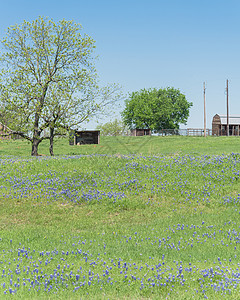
(130, 218)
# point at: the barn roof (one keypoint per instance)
(233, 119)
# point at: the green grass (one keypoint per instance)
(131, 218)
(153, 145)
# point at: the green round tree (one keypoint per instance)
(156, 109)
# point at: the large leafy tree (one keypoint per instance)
(156, 109)
(48, 79)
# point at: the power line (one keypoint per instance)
(227, 111)
(204, 100)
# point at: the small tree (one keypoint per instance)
(48, 78)
(156, 109)
(113, 128)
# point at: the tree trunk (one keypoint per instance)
(36, 132)
(35, 144)
(51, 141)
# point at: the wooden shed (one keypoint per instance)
(140, 132)
(77, 137)
(5, 132)
(219, 125)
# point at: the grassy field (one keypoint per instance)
(131, 218)
(153, 145)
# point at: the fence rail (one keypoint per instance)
(184, 132)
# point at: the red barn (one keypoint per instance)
(219, 125)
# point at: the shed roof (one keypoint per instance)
(233, 119)
(78, 130)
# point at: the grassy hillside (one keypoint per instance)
(131, 218)
(152, 145)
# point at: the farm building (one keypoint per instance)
(140, 132)
(5, 132)
(219, 125)
(77, 137)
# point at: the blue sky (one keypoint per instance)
(155, 44)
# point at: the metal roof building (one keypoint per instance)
(219, 125)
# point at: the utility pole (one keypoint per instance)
(227, 111)
(204, 99)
